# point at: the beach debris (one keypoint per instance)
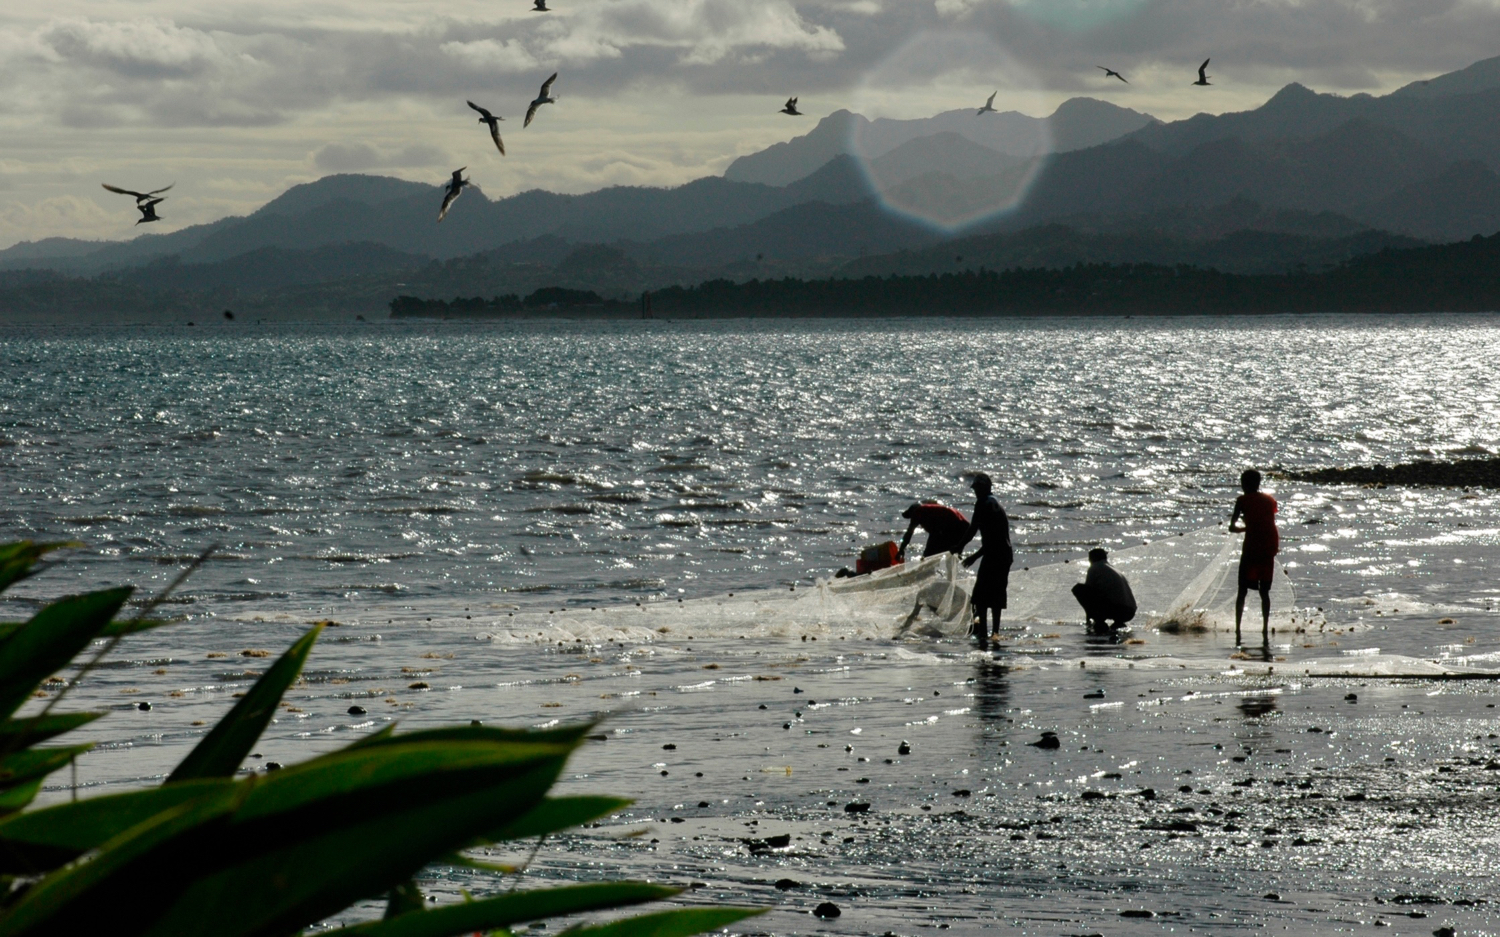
(356, 710)
(1048, 742)
(143, 706)
(669, 747)
(273, 766)
(856, 807)
(827, 910)
(1137, 912)
(904, 748)
(786, 884)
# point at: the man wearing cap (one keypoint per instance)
(947, 529)
(1104, 594)
(990, 582)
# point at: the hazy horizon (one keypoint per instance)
(236, 103)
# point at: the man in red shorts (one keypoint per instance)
(1258, 555)
(947, 529)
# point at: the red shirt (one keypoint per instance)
(1259, 511)
(939, 520)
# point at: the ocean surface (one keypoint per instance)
(429, 486)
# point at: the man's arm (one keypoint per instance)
(1239, 508)
(974, 557)
(910, 529)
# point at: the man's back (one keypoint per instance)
(1109, 584)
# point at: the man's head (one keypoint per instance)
(981, 484)
(1098, 555)
(1250, 481)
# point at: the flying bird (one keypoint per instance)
(485, 117)
(148, 209)
(455, 186)
(791, 108)
(1202, 73)
(989, 106)
(139, 196)
(1111, 73)
(541, 7)
(545, 97)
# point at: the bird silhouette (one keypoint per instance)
(989, 106)
(791, 108)
(541, 7)
(139, 196)
(1111, 73)
(148, 209)
(455, 186)
(1202, 73)
(545, 97)
(485, 117)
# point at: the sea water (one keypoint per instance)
(422, 485)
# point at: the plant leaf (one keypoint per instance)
(681, 923)
(18, 559)
(64, 900)
(24, 733)
(220, 752)
(505, 910)
(45, 839)
(565, 735)
(51, 638)
(557, 813)
(404, 899)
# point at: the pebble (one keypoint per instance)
(1352, 698)
(143, 706)
(827, 910)
(1048, 741)
(785, 884)
(669, 747)
(856, 807)
(1137, 912)
(904, 748)
(273, 766)
(356, 710)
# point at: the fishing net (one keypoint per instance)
(1184, 582)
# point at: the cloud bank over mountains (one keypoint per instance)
(237, 101)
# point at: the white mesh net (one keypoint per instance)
(1184, 582)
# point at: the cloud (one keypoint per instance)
(135, 48)
(704, 32)
(64, 216)
(357, 157)
(492, 54)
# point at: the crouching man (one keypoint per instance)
(1105, 594)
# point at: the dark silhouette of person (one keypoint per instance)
(1104, 594)
(990, 582)
(1258, 555)
(947, 529)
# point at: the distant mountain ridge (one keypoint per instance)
(1076, 124)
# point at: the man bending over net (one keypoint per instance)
(1105, 594)
(947, 529)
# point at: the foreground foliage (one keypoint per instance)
(207, 853)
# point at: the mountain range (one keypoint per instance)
(1306, 179)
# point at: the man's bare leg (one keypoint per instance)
(1265, 609)
(1239, 612)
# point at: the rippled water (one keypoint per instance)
(398, 473)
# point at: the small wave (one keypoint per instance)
(195, 510)
(89, 519)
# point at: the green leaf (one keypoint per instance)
(505, 910)
(220, 752)
(404, 899)
(70, 900)
(681, 923)
(49, 640)
(36, 762)
(116, 629)
(557, 813)
(563, 735)
(45, 839)
(24, 733)
(18, 559)
(18, 796)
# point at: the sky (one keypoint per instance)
(235, 102)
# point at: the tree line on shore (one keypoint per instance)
(1458, 277)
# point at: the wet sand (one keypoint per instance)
(1197, 799)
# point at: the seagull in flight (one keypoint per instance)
(485, 117)
(791, 108)
(1202, 73)
(455, 186)
(989, 106)
(1111, 73)
(541, 7)
(545, 97)
(139, 196)
(148, 208)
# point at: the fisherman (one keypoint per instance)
(1258, 554)
(990, 522)
(946, 528)
(1105, 594)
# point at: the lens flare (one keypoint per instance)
(962, 166)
